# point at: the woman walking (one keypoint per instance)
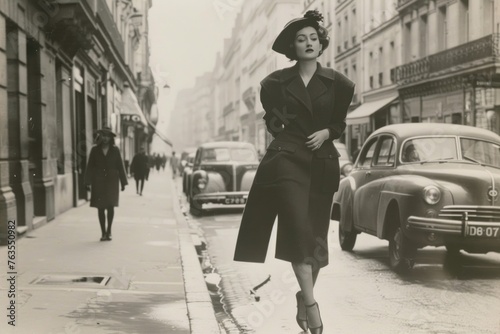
(104, 172)
(140, 170)
(305, 106)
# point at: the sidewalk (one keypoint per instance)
(146, 280)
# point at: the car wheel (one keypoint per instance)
(346, 239)
(401, 252)
(195, 207)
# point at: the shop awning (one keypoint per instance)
(362, 113)
(130, 109)
(160, 135)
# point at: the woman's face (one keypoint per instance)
(307, 45)
(105, 138)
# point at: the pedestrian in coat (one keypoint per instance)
(174, 164)
(305, 108)
(140, 169)
(104, 172)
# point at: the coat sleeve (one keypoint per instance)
(272, 118)
(121, 168)
(133, 165)
(344, 94)
(89, 171)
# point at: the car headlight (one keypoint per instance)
(202, 183)
(432, 195)
(346, 169)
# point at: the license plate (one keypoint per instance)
(235, 200)
(483, 231)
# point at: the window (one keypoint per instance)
(422, 48)
(464, 21)
(365, 160)
(407, 41)
(393, 75)
(387, 152)
(442, 28)
(381, 79)
(371, 81)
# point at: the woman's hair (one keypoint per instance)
(314, 17)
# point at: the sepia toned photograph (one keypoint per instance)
(250, 166)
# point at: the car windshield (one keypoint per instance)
(228, 154)
(429, 149)
(480, 151)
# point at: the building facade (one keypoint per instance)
(66, 66)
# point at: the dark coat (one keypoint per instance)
(292, 181)
(103, 174)
(140, 166)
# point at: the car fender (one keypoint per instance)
(405, 193)
(247, 180)
(343, 204)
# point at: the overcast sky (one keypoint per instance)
(185, 36)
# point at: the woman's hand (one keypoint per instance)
(317, 139)
(123, 187)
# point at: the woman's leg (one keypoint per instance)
(136, 186)
(102, 220)
(306, 276)
(111, 215)
(142, 185)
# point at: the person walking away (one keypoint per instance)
(139, 169)
(305, 108)
(105, 170)
(174, 164)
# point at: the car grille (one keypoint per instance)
(474, 213)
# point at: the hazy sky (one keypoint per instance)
(185, 36)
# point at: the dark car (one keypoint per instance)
(419, 185)
(223, 173)
(187, 172)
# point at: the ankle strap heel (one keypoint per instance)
(319, 329)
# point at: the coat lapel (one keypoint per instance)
(290, 77)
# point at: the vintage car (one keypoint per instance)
(187, 171)
(419, 185)
(222, 175)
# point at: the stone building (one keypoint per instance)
(67, 69)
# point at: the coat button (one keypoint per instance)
(330, 156)
(279, 148)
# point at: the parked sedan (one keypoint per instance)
(345, 161)
(419, 185)
(223, 173)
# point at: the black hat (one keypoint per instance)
(287, 35)
(106, 130)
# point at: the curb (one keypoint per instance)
(201, 313)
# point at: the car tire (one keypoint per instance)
(453, 250)
(401, 252)
(347, 240)
(195, 208)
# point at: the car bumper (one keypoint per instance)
(226, 198)
(452, 227)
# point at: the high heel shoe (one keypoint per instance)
(300, 304)
(319, 329)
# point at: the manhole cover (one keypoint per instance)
(72, 279)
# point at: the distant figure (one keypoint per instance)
(157, 162)
(174, 164)
(163, 161)
(104, 172)
(139, 169)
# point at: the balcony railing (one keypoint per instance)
(480, 49)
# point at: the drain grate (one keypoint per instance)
(72, 280)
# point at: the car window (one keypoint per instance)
(429, 149)
(365, 160)
(480, 151)
(227, 154)
(386, 152)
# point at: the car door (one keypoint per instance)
(362, 177)
(382, 166)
